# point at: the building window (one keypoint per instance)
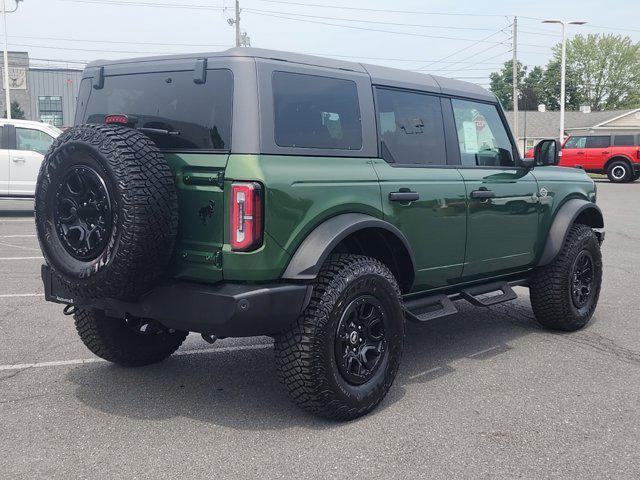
(50, 109)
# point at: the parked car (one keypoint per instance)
(321, 202)
(617, 155)
(23, 145)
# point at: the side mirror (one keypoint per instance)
(547, 152)
(528, 163)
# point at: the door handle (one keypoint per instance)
(579, 153)
(606, 151)
(482, 194)
(18, 160)
(404, 196)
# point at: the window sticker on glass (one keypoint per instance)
(470, 137)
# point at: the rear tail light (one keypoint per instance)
(246, 216)
(638, 154)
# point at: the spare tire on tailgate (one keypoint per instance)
(106, 211)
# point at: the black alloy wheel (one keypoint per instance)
(83, 215)
(360, 343)
(582, 279)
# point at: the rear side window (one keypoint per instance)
(482, 136)
(624, 141)
(600, 141)
(576, 142)
(198, 116)
(311, 111)
(410, 127)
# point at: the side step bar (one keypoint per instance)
(471, 294)
(428, 308)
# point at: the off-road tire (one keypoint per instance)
(551, 286)
(143, 209)
(112, 340)
(305, 354)
(617, 166)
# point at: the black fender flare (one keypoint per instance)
(316, 247)
(575, 209)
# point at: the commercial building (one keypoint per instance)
(534, 126)
(44, 94)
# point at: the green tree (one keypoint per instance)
(603, 71)
(501, 83)
(16, 111)
(532, 89)
(531, 86)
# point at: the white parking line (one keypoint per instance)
(12, 295)
(13, 220)
(21, 258)
(82, 361)
(17, 236)
(435, 369)
(486, 350)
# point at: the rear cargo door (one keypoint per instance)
(199, 178)
(186, 110)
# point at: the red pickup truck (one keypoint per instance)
(617, 155)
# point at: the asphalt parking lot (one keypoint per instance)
(484, 394)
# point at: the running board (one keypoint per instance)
(471, 294)
(429, 308)
(424, 309)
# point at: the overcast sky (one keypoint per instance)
(467, 43)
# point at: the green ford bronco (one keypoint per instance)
(320, 202)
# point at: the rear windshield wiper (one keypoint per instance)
(158, 131)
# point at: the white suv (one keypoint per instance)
(23, 144)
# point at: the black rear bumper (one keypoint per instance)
(225, 310)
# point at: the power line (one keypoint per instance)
(394, 32)
(464, 49)
(363, 9)
(123, 42)
(476, 63)
(92, 49)
(358, 20)
(146, 4)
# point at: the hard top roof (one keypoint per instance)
(379, 75)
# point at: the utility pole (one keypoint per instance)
(242, 39)
(237, 23)
(515, 81)
(7, 94)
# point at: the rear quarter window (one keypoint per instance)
(624, 141)
(316, 112)
(198, 115)
(599, 141)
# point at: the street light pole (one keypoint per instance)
(7, 94)
(563, 67)
(563, 72)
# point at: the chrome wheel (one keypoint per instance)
(618, 172)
